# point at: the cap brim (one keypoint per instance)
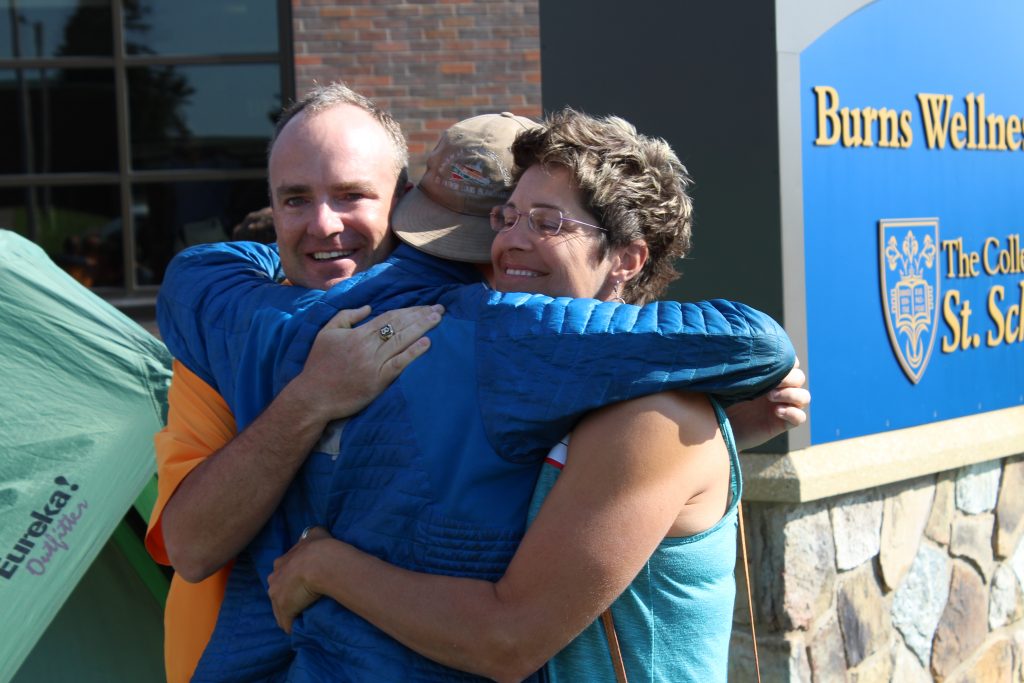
(424, 224)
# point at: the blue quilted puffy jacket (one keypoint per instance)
(436, 474)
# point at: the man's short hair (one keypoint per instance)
(323, 97)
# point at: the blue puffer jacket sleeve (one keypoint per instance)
(726, 349)
(197, 282)
(222, 315)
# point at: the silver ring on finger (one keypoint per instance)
(386, 332)
(305, 533)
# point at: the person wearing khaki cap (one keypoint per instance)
(556, 224)
(469, 172)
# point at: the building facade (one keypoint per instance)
(134, 128)
(886, 535)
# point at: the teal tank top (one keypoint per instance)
(675, 620)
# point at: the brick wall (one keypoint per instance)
(430, 62)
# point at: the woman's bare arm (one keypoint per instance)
(638, 471)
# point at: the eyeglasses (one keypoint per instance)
(543, 220)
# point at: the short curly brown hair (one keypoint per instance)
(634, 185)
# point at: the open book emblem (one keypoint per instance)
(909, 270)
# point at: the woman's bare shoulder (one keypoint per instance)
(686, 418)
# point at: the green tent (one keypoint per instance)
(82, 391)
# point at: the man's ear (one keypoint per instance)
(400, 192)
(402, 186)
(631, 260)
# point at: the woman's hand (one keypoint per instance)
(784, 407)
(349, 366)
(290, 589)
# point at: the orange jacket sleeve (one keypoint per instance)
(199, 423)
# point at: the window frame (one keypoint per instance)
(132, 294)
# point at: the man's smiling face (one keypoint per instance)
(332, 183)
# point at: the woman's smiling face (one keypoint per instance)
(567, 264)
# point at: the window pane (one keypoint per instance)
(13, 210)
(172, 216)
(202, 116)
(55, 28)
(71, 116)
(80, 228)
(219, 27)
(12, 120)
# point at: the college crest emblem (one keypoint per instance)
(909, 269)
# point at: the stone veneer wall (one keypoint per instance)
(911, 582)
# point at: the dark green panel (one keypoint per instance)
(110, 629)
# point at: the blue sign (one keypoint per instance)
(912, 150)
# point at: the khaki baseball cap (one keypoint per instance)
(468, 173)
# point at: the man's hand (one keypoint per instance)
(782, 408)
(222, 503)
(349, 366)
(289, 587)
